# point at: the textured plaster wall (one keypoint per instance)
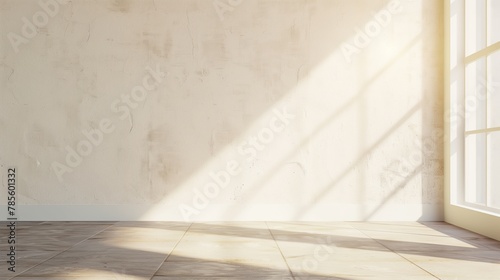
(222, 110)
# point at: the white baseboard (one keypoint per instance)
(230, 212)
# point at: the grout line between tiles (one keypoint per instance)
(281, 252)
(401, 256)
(175, 246)
(20, 274)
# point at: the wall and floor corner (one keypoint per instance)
(222, 110)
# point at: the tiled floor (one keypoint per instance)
(250, 250)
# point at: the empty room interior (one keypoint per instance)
(250, 139)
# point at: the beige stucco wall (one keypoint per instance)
(223, 110)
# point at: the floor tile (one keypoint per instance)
(252, 250)
(216, 269)
(26, 260)
(224, 278)
(100, 277)
(458, 265)
(78, 263)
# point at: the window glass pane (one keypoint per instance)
(475, 25)
(493, 21)
(493, 89)
(494, 169)
(475, 168)
(474, 110)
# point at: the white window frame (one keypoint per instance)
(475, 217)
